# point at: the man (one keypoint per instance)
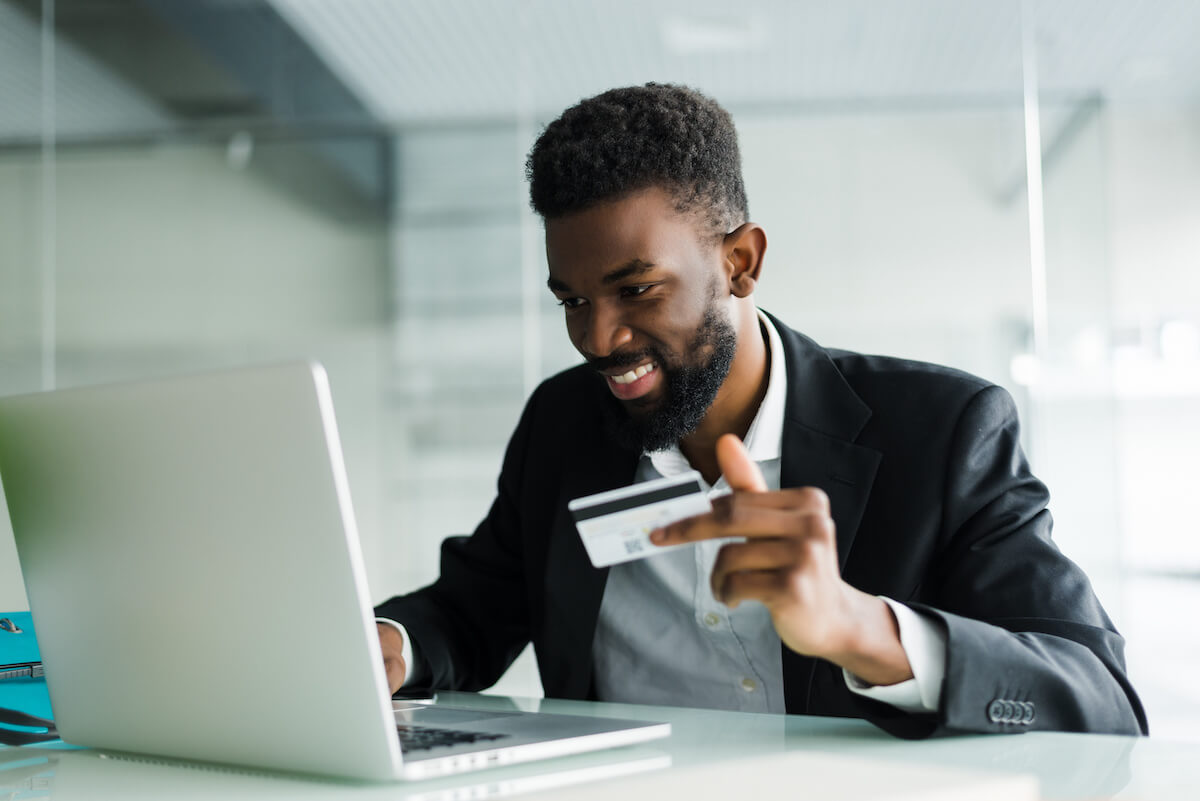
(896, 562)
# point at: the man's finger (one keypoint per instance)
(759, 554)
(793, 513)
(751, 522)
(392, 645)
(764, 586)
(803, 500)
(740, 471)
(395, 674)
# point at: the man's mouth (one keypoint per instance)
(634, 383)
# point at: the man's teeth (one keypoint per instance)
(633, 375)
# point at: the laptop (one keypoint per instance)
(192, 562)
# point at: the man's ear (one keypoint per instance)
(744, 248)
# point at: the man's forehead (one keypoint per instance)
(633, 232)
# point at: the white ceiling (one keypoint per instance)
(421, 60)
(417, 61)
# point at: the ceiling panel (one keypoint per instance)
(419, 60)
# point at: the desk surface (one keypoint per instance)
(1066, 766)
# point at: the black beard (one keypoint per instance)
(691, 389)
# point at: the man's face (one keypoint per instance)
(645, 300)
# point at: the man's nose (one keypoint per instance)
(604, 333)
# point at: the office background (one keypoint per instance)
(1011, 188)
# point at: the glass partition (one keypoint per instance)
(1119, 393)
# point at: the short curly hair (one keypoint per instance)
(629, 139)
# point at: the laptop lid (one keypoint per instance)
(192, 562)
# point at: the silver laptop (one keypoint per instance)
(192, 564)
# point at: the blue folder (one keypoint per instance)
(24, 690)
(18, 641)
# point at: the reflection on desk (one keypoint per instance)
(705, 744)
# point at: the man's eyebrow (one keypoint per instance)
(631, 269)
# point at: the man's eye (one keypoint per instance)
(634, 291)
(570, 303)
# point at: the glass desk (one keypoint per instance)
(709, 755)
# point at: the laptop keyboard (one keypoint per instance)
(422, 738)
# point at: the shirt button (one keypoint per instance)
(749, 685)
(712, 620)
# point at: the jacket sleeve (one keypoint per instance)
(1028, 644)
(473, 621)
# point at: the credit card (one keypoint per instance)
(615, 526)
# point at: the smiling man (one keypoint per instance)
(893, 560)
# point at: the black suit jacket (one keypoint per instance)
(934, 506)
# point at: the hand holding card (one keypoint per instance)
(615, 526)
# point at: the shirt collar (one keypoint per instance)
(764, 438)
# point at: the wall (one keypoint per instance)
(170, 260)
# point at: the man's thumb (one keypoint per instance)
(740, 471)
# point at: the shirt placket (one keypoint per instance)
(745, 682)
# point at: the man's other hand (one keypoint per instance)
(789, 563)
(392, 645)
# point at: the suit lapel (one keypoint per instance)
(823, 418)
(844, 471)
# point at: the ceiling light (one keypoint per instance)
(695, 36)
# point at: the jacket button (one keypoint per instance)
(995, 711)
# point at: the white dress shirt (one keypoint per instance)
(662, 638)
